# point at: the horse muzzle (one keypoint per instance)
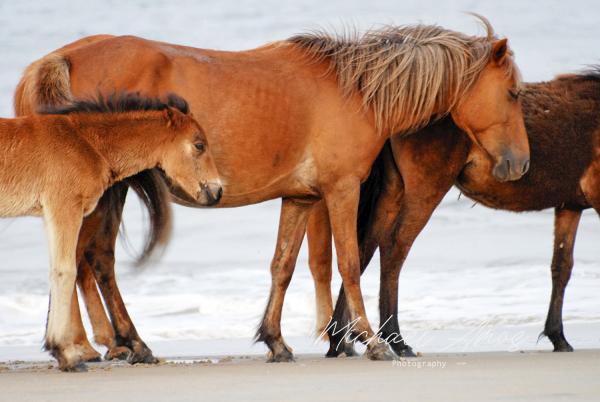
(210, 193)
(510, 168)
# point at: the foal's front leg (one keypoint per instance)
(62, 225)
(292, 224)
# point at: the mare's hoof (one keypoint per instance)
(285, 356)
(118, 353)
(404, 351)
(380, 351)
(563, 347)
(77, 368)
(145, 358)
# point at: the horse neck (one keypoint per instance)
(128, 145)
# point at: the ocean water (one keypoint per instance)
(470, 267)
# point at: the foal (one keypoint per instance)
(562, 118)
(58, 165)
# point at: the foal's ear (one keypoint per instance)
(500, 50)
(174, 117)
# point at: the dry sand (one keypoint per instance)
(518, 376)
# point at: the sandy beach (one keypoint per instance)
(517, 376)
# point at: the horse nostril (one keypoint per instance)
(219, 193)
(525, 167)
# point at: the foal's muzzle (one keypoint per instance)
(210, 193)
(510, 168)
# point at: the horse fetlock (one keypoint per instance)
(378, 350)
(118, 353)
(279, 352)
(141, 354)
(69, 358)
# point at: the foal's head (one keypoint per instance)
(186, 160)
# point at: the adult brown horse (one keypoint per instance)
(562, 118)
(301, 119)
(58, 165)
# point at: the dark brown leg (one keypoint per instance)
(565, 230)
(292, 224)
(101, 258)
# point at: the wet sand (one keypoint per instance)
(503, 376)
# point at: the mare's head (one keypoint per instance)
(409, 76)
(186, 160)
(489, 110)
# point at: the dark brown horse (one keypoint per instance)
(301, 119)
(562, 118)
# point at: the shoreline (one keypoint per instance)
(517, 376)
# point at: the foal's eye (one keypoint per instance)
(200, 147)
(514, 93)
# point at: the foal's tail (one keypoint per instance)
(47, 83)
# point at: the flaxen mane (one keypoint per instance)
(408, 75)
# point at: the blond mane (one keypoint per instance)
(408, 75)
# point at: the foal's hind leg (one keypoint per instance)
(565, 229)
(292, 224)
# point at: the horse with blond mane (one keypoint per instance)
(58, 165)
(301, 119)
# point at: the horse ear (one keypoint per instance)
(500, 50)
(174, 117)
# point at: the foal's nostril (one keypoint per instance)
(219, 193)
(525, 167)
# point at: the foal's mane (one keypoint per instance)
(409, 74)
(120, 103)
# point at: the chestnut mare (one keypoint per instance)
(58, 165)
(562, 118)
(302, 119)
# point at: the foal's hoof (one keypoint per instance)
(118, 353)
(91, 357)
(77, 368)
(380, 351)
(284, 356)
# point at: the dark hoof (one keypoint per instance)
(95, 359)
(285, 356)
(380, 351)
(145, 357)
(78, 368)
(404, 351)
(563, 347)
(118, 353)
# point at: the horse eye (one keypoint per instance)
(200, 146)
(514, 93)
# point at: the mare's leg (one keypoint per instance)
(342, 203)
(318, 233)
(88, 353)
(104, 333)
(62, 225)
(100, 255)
(292, 225)
(565, 229)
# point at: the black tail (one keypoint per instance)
(370, 191)
(151, 188)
